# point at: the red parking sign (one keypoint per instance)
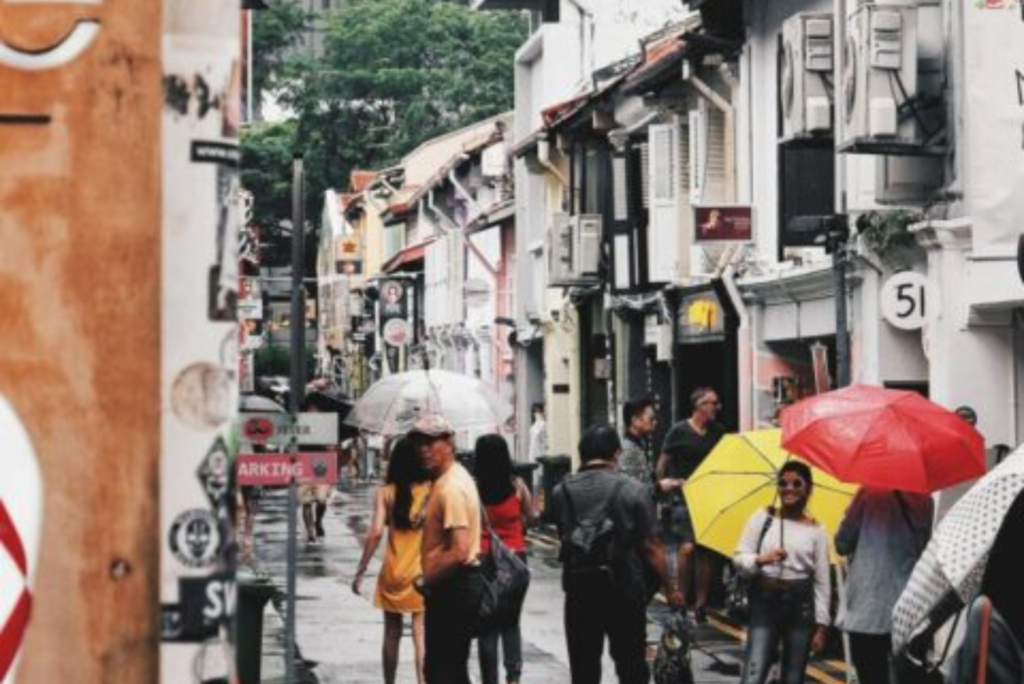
(319, 467)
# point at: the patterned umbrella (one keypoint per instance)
(951, 570)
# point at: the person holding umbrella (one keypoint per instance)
(883, 534)
(784, 554)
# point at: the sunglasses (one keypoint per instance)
(791, 484)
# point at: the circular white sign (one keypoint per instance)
(906, 300)
(397, 332)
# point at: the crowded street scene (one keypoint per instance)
(511, 341)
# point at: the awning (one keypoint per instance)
(721, 18)
(407, 259)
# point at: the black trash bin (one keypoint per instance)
(556, 467)
(524, 471)
(253, 594)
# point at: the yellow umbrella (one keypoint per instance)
(739, 477)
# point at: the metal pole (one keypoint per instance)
(298, 362)
(672, 303)
(842, 333)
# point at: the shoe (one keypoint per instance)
(700, 615)
(320, 530)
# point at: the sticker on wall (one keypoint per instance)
(201, 396)
(21, 506)
(214, 475)
(195, 538)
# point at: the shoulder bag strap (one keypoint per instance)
(768, 517)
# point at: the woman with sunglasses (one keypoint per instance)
(400, 508)
(784, 554)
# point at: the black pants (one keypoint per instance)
(451, 622)
(592, 616)
(870, 656)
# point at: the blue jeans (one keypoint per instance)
(779, 616)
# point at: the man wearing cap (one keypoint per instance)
(451, 583)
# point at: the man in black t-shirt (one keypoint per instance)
(609, 605)
(686, 446)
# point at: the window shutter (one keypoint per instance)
(714, 176)
(645, 175)
(696, 138)
(664, 231)
(623, 244)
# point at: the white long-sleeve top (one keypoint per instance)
(806, 545)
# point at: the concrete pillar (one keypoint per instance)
(80, 225)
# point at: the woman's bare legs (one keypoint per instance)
(392, 640)
(418, 642)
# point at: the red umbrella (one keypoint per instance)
(884, 438)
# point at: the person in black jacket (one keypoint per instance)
(606, 590)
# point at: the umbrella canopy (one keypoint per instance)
(390, 407)
(884, 438)
(739, 477)
(951, 570)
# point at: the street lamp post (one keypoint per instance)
(298, 361)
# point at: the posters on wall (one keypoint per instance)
(994, 99)
(395, 327)
(200, 363)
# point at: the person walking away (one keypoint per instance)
(400, 508)
(686, 445)
(882, 535)
(314, 497)
(639, 419)
(606, 524)
(451, 582)
(784, 555)
(538, 438)
(509, 509)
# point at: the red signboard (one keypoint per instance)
(319, 467)
(727, 224)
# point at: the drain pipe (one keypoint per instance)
(745, 347)
(723, 105)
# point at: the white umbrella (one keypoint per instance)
(249, 403)
(393, 404)
(950, 571)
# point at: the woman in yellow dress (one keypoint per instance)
(400, 507)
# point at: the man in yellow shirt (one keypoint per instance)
(451, 581)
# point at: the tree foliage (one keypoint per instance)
(395, 73)
(275, 31)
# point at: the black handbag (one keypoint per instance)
(505, 581)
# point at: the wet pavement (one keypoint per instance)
(339, 634)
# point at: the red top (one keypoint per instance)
(507, 521)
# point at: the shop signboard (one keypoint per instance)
(278, 429)
(277, 469)
(723, 224)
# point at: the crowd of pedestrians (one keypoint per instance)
(623, 520)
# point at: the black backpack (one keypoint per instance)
(588, 551)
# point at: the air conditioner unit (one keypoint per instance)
(879, 81)
(587, 230)
(806, 79)
(559, 248)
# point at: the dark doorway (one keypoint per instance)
(710, 364)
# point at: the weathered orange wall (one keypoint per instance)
(80, 229)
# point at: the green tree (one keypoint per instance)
(396, 73)
(275, 31)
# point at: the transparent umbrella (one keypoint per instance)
(391, 406)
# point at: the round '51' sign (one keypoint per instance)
(906, 300)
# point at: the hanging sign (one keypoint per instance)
(318, 467)
(277, 429)
(723, 224)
